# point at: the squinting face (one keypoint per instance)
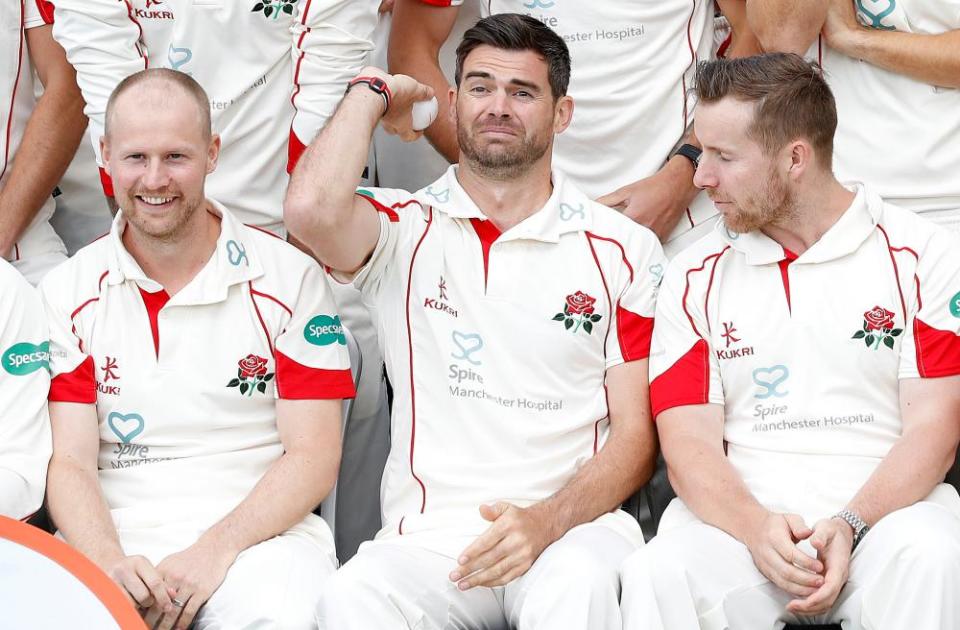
(505, 112)
(158, 158)
(741, 179)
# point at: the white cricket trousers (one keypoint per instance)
(273, 585)
(904, 575)
(395, 584)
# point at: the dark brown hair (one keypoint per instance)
(791, 96)
(164, 75)
(513, 31)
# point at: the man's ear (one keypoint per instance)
(213, 153)
(105, 153)
(562, 114)
(799, 158)
(452, 105)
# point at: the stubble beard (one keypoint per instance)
(773, 205)
(166, 231)
(503, 163)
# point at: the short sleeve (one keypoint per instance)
(683, 367)
(71, 368)
(312, 360)
(931, 345)
(643, 265)
(37, 13)
(25, 442)
(397, 210)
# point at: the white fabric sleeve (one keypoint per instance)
(102, 42)
(684, 369)
(25, 442)
(641, 271)
(331, 41)
(931, 339)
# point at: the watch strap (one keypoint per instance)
(690, 152)
(375, 84)
(857, 524)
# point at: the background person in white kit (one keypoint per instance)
(503, 482)
(633, 61)
(275, 71)
(39, 137)
(805, 385)
(894, 67)
(195, 420)
(24, 382)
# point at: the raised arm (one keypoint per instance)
(785, 25)
(321, 209)
(930, 58)
(417, 33)
(49, 141)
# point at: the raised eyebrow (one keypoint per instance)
(476, 74)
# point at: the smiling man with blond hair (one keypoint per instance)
(195, 414)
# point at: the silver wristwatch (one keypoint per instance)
(859, 526)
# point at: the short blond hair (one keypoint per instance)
(185, 82)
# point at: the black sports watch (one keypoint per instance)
(377, 85)
(690, 152)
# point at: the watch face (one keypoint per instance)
(378, 84)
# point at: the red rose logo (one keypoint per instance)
(578, 312)
(878, 318)
(252, 366)
(580, 304)
(878, 328)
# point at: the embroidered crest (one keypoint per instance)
(578, 313)
(878, 328)
(251, 374)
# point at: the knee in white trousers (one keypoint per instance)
(274, 585)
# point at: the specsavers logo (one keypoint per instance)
(324, 330)
(24, 358)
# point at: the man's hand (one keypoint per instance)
(773, 545)
(404, 92)
(141, 582)
(192, 575)
(658, 201)
(841, 27)
(386, 6)
(507, 549)
(833, 540)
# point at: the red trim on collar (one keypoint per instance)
(789, 257)
(154, 302)
(488, 233)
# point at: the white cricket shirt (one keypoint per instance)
(24, 381)
(497, 344)
(186, 387)
(899, 133)
(806, 353)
